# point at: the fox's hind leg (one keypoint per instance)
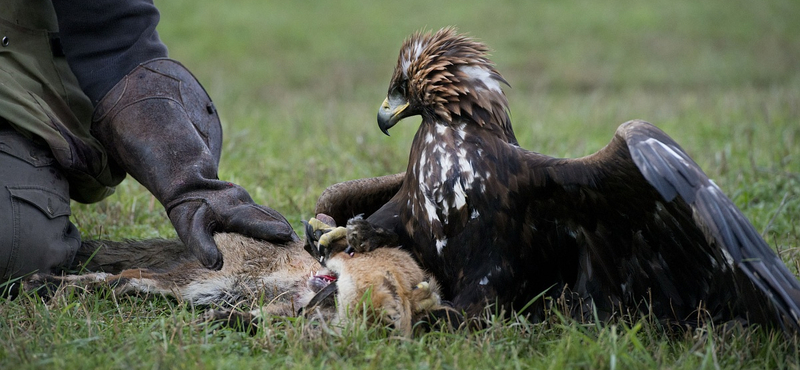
(391, 307)
(396, 312)
(47, 285)
(127, 282)
(142, 281)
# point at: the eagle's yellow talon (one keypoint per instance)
(332, 236)
(319, 225)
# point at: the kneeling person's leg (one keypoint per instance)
(35, 232)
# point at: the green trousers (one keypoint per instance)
(36, 234)
(47, 152)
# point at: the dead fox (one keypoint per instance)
(269, 279)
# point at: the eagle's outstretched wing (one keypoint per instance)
(651, 224)
(345, 200)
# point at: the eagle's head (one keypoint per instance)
(446, 77)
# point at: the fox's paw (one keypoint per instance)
(43, 285)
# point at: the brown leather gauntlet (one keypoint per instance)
(160, 126)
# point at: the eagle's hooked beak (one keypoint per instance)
(391, 112)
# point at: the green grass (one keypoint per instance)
(298, 87)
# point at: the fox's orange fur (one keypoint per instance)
(387, 283)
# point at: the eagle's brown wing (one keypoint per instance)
(650, 223)
(347, 199)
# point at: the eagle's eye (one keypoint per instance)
(402, 87)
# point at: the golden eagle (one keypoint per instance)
(635, 226)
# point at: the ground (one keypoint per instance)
(298, 88)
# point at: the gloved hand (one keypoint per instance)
(161, 127)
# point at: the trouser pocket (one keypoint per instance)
(41, 237)
(35, 231)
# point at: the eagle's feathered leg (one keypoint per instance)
(364, 236)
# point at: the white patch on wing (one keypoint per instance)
(481, 74)
(475, 214)
(447, 163)
(467, 172)
(460, 131)
(653, 142)
(485, 280)
(460, 196)
(430, 209)
(440, 244)
(728, 257)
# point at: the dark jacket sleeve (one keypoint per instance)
(103, 40)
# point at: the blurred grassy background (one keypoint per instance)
(298, 85)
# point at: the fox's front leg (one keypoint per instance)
(396, 312)
(391, 306)
(127, 282)
(141, 281)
